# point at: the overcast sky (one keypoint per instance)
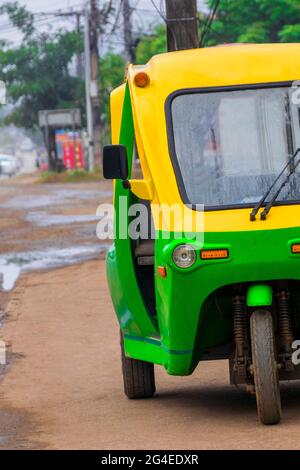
(46, 5)
(145, 17)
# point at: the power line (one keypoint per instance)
(158, 11)
(115, 23)
(209, 21)
(43, 19)
(9, 27)
(166, 22)
(60, 10)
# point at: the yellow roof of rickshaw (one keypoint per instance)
(224, 65)
(232, 65)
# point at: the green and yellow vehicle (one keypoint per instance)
(216, 274)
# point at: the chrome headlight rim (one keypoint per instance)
(186, 261)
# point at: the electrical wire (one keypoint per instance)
(210, 18)
(159, 11)
(110, 37)
(169, 29)
(115, 24)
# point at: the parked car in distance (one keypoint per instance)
(8, 165)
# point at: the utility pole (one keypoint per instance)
(89, 111)
(182, 24)
(94, 90)
(79, 70)
(127, 32)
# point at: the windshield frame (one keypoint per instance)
(171, 140)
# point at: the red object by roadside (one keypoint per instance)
(70, 149)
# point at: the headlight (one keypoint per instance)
(184, 256)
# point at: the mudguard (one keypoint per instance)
(259, 295)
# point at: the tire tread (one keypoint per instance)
(138, 376)
(265, 367)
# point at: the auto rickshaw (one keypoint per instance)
(217, 134)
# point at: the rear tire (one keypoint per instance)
(138, 376)
(265, 367)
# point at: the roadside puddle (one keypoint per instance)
(46, 219)
(9, 274)
(57, 197)
(13, 264)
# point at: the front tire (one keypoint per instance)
(265, 367)
(138, 376)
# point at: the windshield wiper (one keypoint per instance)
(268, 207)
(262, 200)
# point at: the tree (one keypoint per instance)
(237, 21)
(150, 45)
(19, 17)
(37, 77)
(37, 73)
(257, 21)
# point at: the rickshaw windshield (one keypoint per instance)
(230, 145)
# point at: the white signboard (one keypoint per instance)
(60, 118)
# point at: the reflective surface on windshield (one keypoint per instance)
(230, 145)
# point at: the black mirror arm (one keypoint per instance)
(126, 184)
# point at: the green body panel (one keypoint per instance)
(189, 311)
(259, 295)
(194, 307)
(128, 302)
(144, 349)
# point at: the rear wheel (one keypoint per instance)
(265, 367)
(138, 376)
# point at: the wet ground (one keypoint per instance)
(42, 227)
(46, 226)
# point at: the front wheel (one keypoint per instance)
(265, 367)
(138, 376)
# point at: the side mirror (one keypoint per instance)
(115, 163)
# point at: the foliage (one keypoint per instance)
(70, 176)
(155, 43)
(37, 73)
(19, 17)
(37, 77)
(257, 21)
